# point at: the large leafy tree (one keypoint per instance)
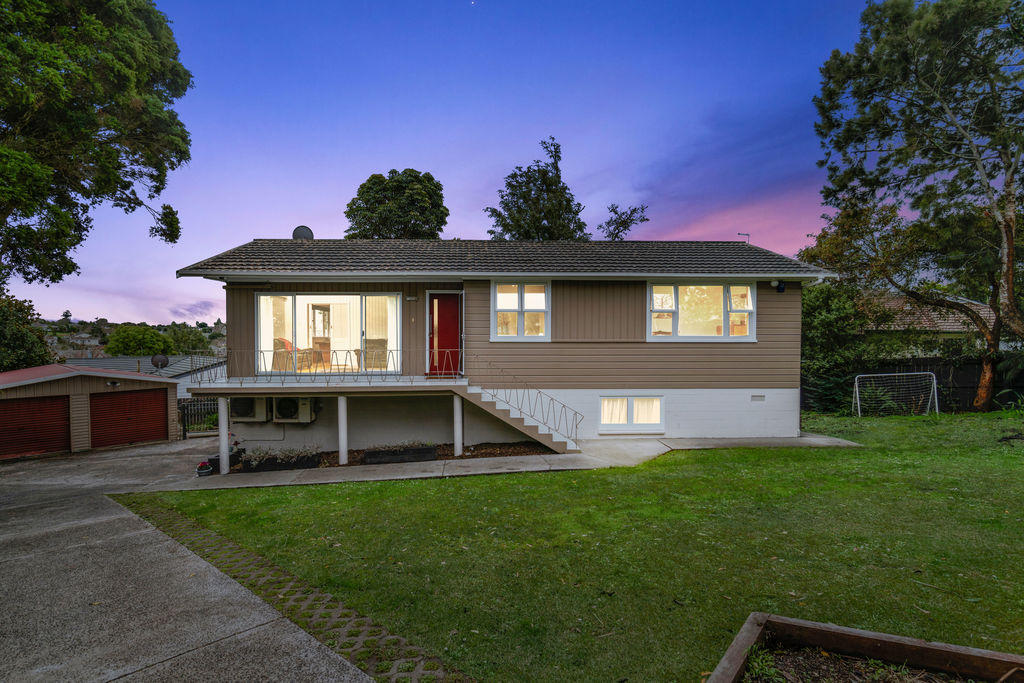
(137, 340)
(837, 343)
(927, 113)
(406, 205)
(85, 118)
(536, 205)
(935, 264)
(22, 343)
(187, 339)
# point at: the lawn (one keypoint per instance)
(647, 572)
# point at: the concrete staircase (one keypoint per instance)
(514, 417)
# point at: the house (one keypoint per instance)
(347, 344)
(63, 408)
(83, 339)
(184, 368)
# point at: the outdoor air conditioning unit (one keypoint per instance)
(248, 409)
(288, 409)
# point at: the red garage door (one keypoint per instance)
(30, 426)
(128, 417)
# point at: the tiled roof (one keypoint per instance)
(46, 373)
(177, 364)
(910, 316)
(490, 256)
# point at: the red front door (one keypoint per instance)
(444, 357)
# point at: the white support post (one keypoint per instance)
(457, 413)
(342, 430)
(222, 433)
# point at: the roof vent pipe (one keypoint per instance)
(302, 232)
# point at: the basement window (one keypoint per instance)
(632, 415)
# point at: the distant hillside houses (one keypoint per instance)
(77, 339)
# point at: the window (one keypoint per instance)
(683, 312)
(309, 333)
(637, 414)
(519, 311)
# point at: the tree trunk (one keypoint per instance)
(986, 383)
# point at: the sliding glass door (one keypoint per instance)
(321, 333)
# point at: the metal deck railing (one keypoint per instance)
(391, 367)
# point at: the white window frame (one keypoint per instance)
(521, 317)
(362, 327)
(629, 427)
(726, 309)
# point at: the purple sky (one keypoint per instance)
(701, 110)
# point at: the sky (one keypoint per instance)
(701, 110)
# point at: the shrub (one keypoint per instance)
(254, 458)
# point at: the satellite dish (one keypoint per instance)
(159, 361)
(302, 233)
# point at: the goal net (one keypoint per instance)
(895, 393)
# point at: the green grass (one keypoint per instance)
(648, 572)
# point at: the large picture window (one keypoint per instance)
(520, 311)
(699, 312)
(308, 333)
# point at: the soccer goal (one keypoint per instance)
(895, 393)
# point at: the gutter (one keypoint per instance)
(386, 275)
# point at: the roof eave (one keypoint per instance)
(385, 275)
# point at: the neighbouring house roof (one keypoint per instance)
(908, 315)
(46, 373)
(325, 258)
(177, 365)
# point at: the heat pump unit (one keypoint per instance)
(290, 409)
(248, 409)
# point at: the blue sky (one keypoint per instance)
(701, 110)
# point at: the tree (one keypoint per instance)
(933, 264)
(22, 343)
(836, 343)
(85, 118)
(927, 112)
(620, 222)
(65, 324)
(537, 205)
(406, 205)
(186, 339)
(138, 340)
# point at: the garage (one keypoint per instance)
(124, 417)
(29, 426)
(63, 408)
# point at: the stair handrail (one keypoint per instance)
(535, 403)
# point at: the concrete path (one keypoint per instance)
(805, 440)
(596, 454)
(92, 592)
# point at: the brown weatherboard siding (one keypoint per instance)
(241, 318)
(772, 362)
(595, 358)
(79, 388)
(598, 311)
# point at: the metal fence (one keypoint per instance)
(197, 415)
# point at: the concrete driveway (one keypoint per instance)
(92, 592)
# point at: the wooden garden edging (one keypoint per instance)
(968, 662)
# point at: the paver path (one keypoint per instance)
(370, 646)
